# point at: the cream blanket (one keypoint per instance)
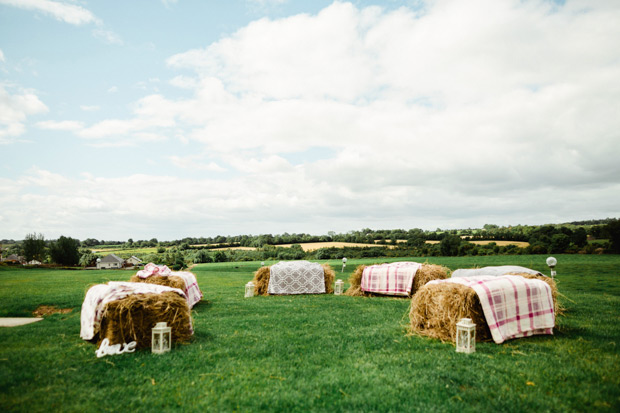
(296, 277)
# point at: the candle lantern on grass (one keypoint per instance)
(249, 289)
(465, 336)
(339, 287)
(161, 339)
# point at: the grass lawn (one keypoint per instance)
(312, 353)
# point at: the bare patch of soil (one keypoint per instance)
(44, 310)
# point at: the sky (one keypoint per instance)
(184, 118)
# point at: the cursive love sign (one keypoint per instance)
(107, 349)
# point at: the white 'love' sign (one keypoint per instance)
(107, 349)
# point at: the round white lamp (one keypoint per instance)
(552, 262)
(344, 264)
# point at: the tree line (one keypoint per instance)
(600, 236)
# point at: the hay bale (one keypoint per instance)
(426, 273)
(262, 275)
(330, 275)
(261, 280)
(172, 281)
(133, 317)
(436, 308)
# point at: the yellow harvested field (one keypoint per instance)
(520, 244)
(312, 246)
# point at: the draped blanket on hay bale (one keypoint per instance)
(396, 279)
(502, 307)
(162, 275)
(123, 312)
(294, 277)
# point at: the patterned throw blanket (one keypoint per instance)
(390, 279)
(191, 290)
(296, 277)
(494, 271)
(99, 295)
(513, 306)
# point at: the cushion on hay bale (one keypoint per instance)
(495, 271)
(503, 308)
(415, 276)
(125, 312)
(162, 275)
(294, 277)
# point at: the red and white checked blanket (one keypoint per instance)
(191, 290)
(99, 295)
(513, 306)
(391, 279)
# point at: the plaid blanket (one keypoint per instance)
(495, 271)
(191, 290)
(296, 277)
(390, 279)
(513, 306)
(99, 295)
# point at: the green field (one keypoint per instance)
(312, 353)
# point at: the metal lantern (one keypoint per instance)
(344, 264)
(161, 339)
(249, 289)
(465, 336)
(339, 286)
(552, 262)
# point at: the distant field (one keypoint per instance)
(312, 246)
(520, 244)
(125, 252)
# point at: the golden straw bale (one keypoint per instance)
(261, 280)
(426, 273)
(132, 318)
(262, 275)
(329, 275)
(436, 308)
(172, 281)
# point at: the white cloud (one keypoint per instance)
(89, 108)
(107, 36)
(15, 107)
(69, 13)
(66, 125)
(457, 115)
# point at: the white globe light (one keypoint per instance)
(551, 261)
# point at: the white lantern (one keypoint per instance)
(161, 339)
(344, 264)
(465, 336)
(552, 262)
(339, 286)
(249, 289)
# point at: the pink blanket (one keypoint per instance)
(391, 279)
(191, 290)
(513, 306)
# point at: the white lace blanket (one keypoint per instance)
(296, 277)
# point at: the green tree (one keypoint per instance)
(34, 247)
(449, 245)
(65, 251)
(613, 232)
